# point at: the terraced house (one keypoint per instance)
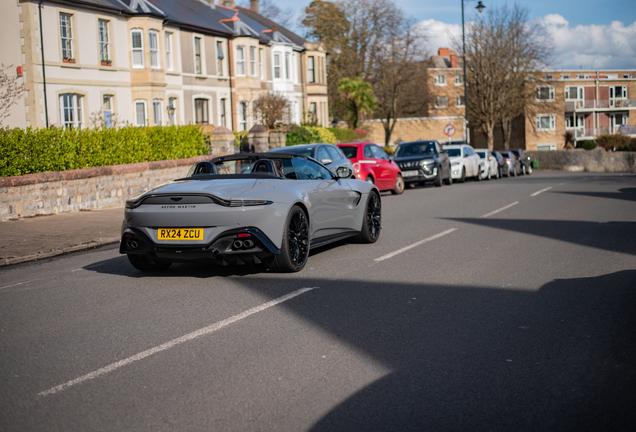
(155, 62)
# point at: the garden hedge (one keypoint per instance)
(38, 150)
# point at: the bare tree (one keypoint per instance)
(272, 108)
(10, 91)
(267, 8)
(502, 50)
(398, 78)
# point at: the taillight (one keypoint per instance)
(356, 167)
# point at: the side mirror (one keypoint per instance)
(343, 172)
(325, 161)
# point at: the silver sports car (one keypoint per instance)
(249, 209)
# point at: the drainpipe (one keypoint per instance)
(46, 111)
(230, 70)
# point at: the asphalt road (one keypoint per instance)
(518, 319)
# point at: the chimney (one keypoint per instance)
(254, 5)
(227, 3)
(443, 52)
(453, 60)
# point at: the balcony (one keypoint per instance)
(588, 133)
(599, 104)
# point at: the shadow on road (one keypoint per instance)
(628, 194)
(612, 236)
(561, 358)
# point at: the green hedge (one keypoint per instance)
(55, 149)
(586, 144)
(309, 135)
(344, 135)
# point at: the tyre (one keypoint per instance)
(478, 176)
(438, 179)
(488, 176)
(462, 179)
(448, 180)
(514, 171)
(529, 169)
(294, 250)
(399, 185)
(370, 180)
(143, 263)
(372, 223)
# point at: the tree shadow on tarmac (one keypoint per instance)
(628, 194)
(468, 358)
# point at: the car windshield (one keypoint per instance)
(517, 152)
(350, 151)
(454, 152)
(415, 149)
(305, 151)
(481, 154)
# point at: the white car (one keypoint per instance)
(464, 162)
(488, 164)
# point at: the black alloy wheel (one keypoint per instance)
(295, 248)
(372, 223)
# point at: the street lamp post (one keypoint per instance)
(480, 7)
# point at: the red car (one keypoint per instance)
(371, 163)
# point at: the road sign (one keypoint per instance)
(449, 130)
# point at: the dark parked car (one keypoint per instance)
(422, 161)
(514, 166)
(526, 163)
(327, 154)
(502, 165)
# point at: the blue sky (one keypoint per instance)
(586, 34)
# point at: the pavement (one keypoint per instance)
(41, 237)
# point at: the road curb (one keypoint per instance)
(84, 246)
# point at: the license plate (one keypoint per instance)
(411, 173)
(180, 234)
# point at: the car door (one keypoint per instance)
(473, 161)
(330, 201)
(385, 172)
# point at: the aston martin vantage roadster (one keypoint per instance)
(269, 208)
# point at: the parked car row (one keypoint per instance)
(415, 163)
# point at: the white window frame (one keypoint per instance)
(139, 49)
(169, 57)
(199, 69)
(223, 111)
(548, 77)
(172, 106)
(459, 79)
(294, 68)
(107, 109)
(550, 98)
(313, 112)
(276, 66)
(241, 70)
(75, 108)
(157, 108)
(458, 101)
(287, 68)
(144, 121)
(219, 58)
(243, 116)
(260, 63)
(552, 121)
(104, 40)
(66, 35)
(579, 93)
(153, 36)
(550, 147)
(311, 69)
(207, 109)
(253, 61)
(565, 76)
(440, 79)
(439, 99)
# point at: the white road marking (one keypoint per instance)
(21, 283)
(501, 209)
(542, 190)
(421, 242)
(185, 338)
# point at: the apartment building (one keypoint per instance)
(585, 103)
(153, 62)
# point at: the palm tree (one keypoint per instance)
(359, 98)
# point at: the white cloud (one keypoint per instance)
(590, 47)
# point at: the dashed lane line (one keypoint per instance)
(500, 210)
(185, 338)
(538, 192)
(421, 242)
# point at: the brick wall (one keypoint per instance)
(85, 189)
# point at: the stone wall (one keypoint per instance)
(596, 160)
(85, 189)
